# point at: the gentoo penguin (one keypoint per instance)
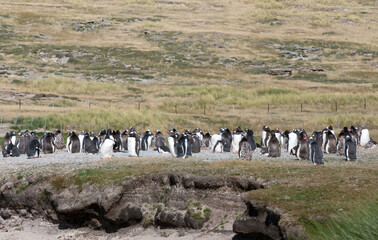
(81, 138)
(303, 151)
(330, 143)
(216, 143)
(59, 140)
(133, 143)
(118, 139)
(124, 136)
(147, 140)
(199, 134)
(48, 146)
(106, 149)
(102, 135)
(73, 143)
(293, 141)
(325, 133)
(341, 141)
(227, 139)
(250, 138)
(33, 148)
(365, 140)
(355, 135)
(159, 139)
(172, 142)
(207, 140)
(274, 149)
(277, 132)
(91, 143)
(6, 142)
(350, 148)
(265, 130)
(22, 142)
(12, 150)
(316, 154)
(245, 149)
(285, 140)
(184, 147)
(236, 138)
(195, 142)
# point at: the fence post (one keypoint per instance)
(175, 109)
(336, 106)
(268, 108)
(365, 103)
(301, 107)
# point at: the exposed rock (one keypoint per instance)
(169, 218)
(125, 215)
(42, 36)
(90, 25)
(280, 72)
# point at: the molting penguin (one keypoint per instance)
(22, 143)
(250, 138)
(285, 140)
(236, 138)
(195, 142)
(316, 154)
(48, 146)
(59, 140)
(200, 136)
(341, 141)
(133, 144)
(207, 140)
(227, 139)
(184, 147)
(264, 134)
(303, 151)
(106, 149)
(159, 139)
(147, 140)
(274, 149)
(277, 132)
(33, 148)
(6, 142)
(73, 143)
(293, 141)
(118, 140)
(245, 149)
(350, 148)
(354, 132)
(102, 135)
(330, 143)
(216, 143)
(124, 137)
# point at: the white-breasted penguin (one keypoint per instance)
(216, 143)
(147, 140)
(365, 139)
(133, 144)
(264, 134)
(293, 141)
(172, 142)
(81, 138)
(236, 138)
(107, 146)
(184, 147)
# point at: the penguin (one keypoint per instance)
(163, 149)
(133, 143)
(277, 132)
(245, 149)
(184, 147)
(355, 135)
(159, 139)
(107, 146)
(341, 141)
(172, 142)
(293, 141)
(365, 140)
(251, 139)
(285, 140)
(59, 140)
(274, 149)
(147, 140)
(265, 130)
(48, 146)
(102, 135)
(200, 136)
(195, 142)
(73, 143)
(124, 136)
(91, 143)
(81, 138)
(303, 151)
(12, 150)
(330, 144)
(350, 148)
(6, 142)
(227, 139)
(217, 143)
(33, 148)
(118, 147)
(236, 138)
(22, 143)
(316, 154)
(207, 140)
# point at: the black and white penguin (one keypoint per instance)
(285, 140)
(341, 141)
(227, 139)
(184, 147)
(118, 139)
(147, 140)
(91, 143)
(159, 139)
(73, 143)
(107, 146)
(350, 148)
(355, 135)
(12, 150)
(59, 140)
(303, 151)
(48, 146)
(33, 148)
(316, 154)
(102, 135)
(200, 136)
(264, 133)
(207, 140)
(236, 138)
(81, 139)
(293, 141)
(133, 143)
(365, 140)
(277, 132)
(251, 139)
(245, 149)
(172, 142)
(330, 143)
(6, 142)
(124, 136)
(195, 142)
(274, 149)
(21, 143)
(217, 143)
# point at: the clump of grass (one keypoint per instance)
(375, 85)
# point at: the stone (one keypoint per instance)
(280, 72)
(169, 218)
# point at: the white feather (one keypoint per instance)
(293, 141)
(236, 138)
(365, 137)
(171, 146)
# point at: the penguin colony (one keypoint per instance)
(183, 145)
